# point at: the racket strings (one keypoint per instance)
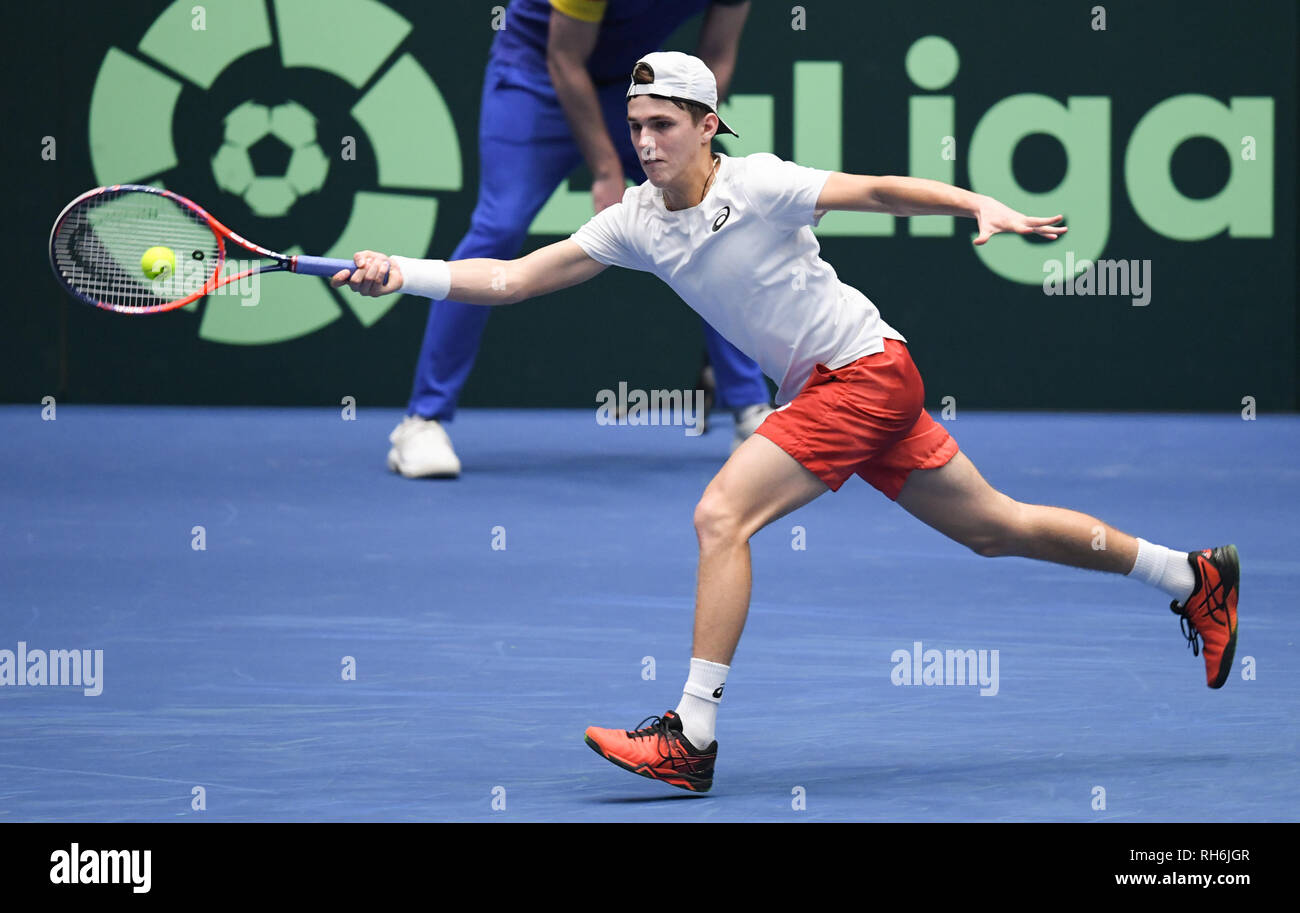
(99, 246)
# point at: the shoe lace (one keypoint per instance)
(658, 727)
(1189, 631)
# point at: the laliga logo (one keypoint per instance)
(1082, 124)
(1244, 128)
(195, 65)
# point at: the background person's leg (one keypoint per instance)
(739, 380)
(523, 156)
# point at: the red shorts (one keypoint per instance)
(866, 418)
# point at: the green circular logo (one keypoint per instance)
(299, 135)
(289, 126)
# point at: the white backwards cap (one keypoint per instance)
(682, 77)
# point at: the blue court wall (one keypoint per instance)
(1165, 132)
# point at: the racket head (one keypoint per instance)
(98, 241)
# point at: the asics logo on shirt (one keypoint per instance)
(721, 218)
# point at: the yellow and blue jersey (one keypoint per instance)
(629, 29)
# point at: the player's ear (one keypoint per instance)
(710, 124)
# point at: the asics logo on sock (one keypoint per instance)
(717, 692)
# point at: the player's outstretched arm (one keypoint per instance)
(901, 196)
(474, 281)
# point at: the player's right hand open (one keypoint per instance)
(375, 275)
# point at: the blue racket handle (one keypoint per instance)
(321, 266)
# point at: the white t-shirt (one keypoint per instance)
(747, 261)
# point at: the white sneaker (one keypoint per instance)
(747, 422)
(421, 449)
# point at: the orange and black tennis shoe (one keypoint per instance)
(659, 751)
(1211, 611)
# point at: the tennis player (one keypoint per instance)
(553, 96)
(733, 238)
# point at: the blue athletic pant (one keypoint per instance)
(525, 150)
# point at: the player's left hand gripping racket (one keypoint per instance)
(98, 242)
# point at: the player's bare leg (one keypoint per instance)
(759, 484)
(957, 501)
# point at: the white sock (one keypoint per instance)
(700, 698)
(1164, 568)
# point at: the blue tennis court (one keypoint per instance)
(490, 620)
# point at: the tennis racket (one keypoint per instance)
(100, 239)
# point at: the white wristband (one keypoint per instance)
(426, 278)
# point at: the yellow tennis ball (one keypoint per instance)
(158, 262)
